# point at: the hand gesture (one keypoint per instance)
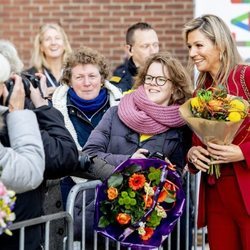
(140, 153)
(17, 96)
(39, 95)
(225, 153)
(200, 158)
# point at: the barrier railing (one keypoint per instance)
(196, 242)
(46, 219)
(197, 236)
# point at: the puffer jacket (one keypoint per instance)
(113, 141)
(19, 172)
(61, 158)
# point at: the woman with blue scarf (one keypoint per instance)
(83, 98)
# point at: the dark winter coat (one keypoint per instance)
(123, 76)
(113, 141)
(61, 158)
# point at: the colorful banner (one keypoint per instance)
(236, 13)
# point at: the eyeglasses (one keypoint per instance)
(159, 80)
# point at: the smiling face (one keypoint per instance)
(86, 81)
(203, 52)
(52, 44)
(158, 94)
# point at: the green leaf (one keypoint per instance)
(220, 91)
(132, 169)
(205, 95)
(103, 222)
(171, 192)
(115, 180)
(170, 199)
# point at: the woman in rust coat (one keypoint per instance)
(224, 206)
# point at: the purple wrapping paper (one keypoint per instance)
(114, 232)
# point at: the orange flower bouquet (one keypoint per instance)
(139, 203)
(215, 116)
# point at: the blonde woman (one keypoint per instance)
(224, 204)
(51, 47)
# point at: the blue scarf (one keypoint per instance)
(88, 107)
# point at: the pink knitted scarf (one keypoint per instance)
(146, 117)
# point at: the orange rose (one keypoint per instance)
(123, 218)
(112, 193)
(164, 193)
(216, 105)
(148, 233)
(169, 186)
(162, 196)
(148, 200)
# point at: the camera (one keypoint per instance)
(27, 79)
(155, 154)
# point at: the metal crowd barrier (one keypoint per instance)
(46, 219)
(198, 236)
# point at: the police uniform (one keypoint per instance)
(123, 75)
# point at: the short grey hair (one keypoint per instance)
(5, 69)
(8, 50)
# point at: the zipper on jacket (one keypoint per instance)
(87, 119)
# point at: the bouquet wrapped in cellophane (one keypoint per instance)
(139, 204)
(215, 116)
(7, 202)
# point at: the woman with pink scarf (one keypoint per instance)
(147, 120)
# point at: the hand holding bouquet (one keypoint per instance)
(139, 203)
(215, 116)
(7, 201)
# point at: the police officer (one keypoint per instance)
(141, 42)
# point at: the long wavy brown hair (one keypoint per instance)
(182, 86)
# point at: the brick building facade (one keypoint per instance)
(100, 24)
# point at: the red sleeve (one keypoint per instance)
(246, 152)
(237, 87)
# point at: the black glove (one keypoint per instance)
(93, 167)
